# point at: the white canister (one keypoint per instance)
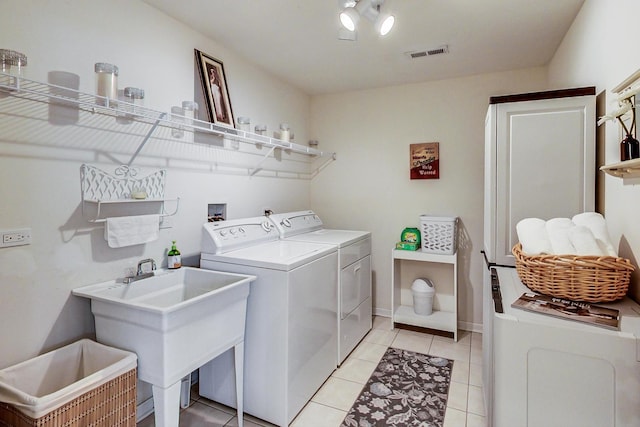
(190, 111)
(177, 118)
(285, 133)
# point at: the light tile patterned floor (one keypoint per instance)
(328, 407)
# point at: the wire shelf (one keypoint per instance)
(45, 92)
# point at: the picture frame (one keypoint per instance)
(215, 90)
(424, 160)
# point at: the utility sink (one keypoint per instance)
(175, 321)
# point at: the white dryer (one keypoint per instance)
(354, 305)
(291, 331)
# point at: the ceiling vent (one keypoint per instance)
(428, 52)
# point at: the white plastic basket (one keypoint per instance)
(439, 234)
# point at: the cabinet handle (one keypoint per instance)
(355, 270)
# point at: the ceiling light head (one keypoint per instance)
(384, 24)
(349, 18)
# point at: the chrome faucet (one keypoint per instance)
(139, 273)
(143, 262)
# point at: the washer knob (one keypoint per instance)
(286, 222)
(266, 226)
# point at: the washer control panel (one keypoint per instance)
(223, 236)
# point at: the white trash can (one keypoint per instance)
(423, 292)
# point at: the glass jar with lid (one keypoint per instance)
(244, 124)
(261, 129)
(106, 82)
(11, 65)
(134, 98)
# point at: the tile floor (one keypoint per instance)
(330, 404)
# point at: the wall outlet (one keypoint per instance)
(17, 237)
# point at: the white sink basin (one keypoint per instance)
(175, 322)
(166, 291)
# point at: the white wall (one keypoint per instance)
(601, 49)
(42, 147)
(368, 187)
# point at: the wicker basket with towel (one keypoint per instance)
(571, 258)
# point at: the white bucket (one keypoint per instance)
(423, 292)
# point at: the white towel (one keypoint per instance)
(598, 226)
(558, 232)
(131, 230)
(532, 234)
(584, 241)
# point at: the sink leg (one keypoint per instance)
(238, 352)
(166, 402)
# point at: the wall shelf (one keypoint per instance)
(45, 92)
(626, 169)
(627, 93)
(101, 188)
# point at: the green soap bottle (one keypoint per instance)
(174, 259)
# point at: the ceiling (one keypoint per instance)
(297, 40)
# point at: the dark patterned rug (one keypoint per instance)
(406, 389)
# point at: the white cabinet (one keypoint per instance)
(406, 266)
(539, 162)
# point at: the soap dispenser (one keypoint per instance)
(173, 257)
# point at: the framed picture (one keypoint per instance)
(214, 87)
(425, 160)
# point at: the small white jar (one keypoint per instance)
(285, 133)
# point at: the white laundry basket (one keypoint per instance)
(423, 292)
(439, 234)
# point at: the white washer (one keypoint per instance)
(291, 331)
(354, 267)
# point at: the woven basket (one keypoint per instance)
(575, 277)
(112, 404)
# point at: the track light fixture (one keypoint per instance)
(370, 9)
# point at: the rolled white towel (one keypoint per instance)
(558, 233)
(584, 241)
(532, 235)
(598, 226)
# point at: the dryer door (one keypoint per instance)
(355, 283)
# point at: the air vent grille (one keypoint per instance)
(428, 52)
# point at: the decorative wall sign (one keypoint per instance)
(424, 160)
(216, 93)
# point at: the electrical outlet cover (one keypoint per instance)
(15, 237)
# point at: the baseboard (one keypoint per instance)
(144, 409)
(471, 327)
(382, 312)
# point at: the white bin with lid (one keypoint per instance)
(423, 292)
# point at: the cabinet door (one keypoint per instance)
(545, 154)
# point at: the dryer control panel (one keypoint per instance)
(292, 223)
